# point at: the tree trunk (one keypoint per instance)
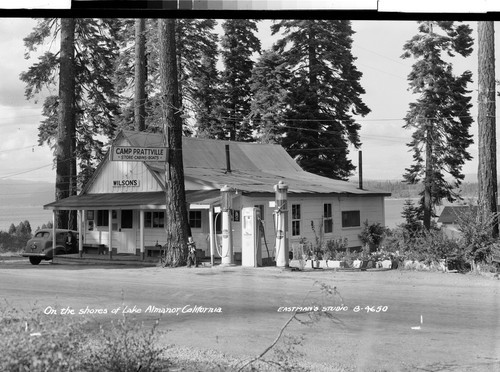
(428, 180)
(66, 135)
(140, 76)
(176, 221)
(487, 170)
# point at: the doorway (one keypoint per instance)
(128, 237)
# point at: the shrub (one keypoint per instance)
(372, 234)
(124, 346)
(35, 342)
(424, 246)
(476, 235)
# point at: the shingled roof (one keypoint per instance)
(450, 213)
(255, 167)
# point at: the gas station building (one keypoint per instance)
(123, 205)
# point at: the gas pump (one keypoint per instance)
(227, 238)
(281, 224)
(251, 250)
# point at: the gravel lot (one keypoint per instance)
(391, 320)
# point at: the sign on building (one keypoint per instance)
(130, 153)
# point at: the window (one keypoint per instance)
(102, 218)
(351, 219)
(127, 219)
(195, 219)
(295, 219)
(261, 209)
(154, 219)
(327, 218)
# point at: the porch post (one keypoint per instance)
(110, 229)
(141, 233)
(211, 233)
(80, 232)
(53, 234)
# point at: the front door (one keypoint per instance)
(128, 240)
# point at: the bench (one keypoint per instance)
(95, 248)
(157, 250)
(153, 250)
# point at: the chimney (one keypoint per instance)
(228, 160)
(360, 169)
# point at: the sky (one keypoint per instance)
(377, 46)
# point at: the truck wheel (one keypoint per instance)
(35, 260)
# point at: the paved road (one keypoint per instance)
(406, 320)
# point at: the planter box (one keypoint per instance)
(336, 264)
(387, 264)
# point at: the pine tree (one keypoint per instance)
(440, 117)
(95, 102)
(201, 83)
(324, 94)
(270, 94)
(238, 45)
(487, 171)
(176, 224)
(140, 75)
(198, 78)
(413, 217)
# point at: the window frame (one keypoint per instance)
(149, 219)
(296, 219)
(327, 218)
(102, 218)
(195, 219)
(262, 211)
(345, 218)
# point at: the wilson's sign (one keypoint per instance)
(126, 183)
(129, 153)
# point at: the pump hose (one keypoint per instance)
(217, 245)
(276, 249)
(264, 234)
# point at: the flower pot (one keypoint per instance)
(334, 264)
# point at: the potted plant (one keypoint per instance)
(372, 235)
(333, 251)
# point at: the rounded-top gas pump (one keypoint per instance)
(227, 241)
(281, 214)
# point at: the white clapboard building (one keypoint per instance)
(123, 205)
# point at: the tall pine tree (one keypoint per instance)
(95, 99)
(324, 94)
(440, 117)
(270, 93)
(487, 169)
(238, 44)
(197, 75)
(176, 224)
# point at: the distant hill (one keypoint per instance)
(25, 193)
(399, 189)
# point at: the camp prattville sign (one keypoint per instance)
(130, 153)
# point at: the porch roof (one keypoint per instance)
(130, 200)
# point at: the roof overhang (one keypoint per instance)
(132, 200)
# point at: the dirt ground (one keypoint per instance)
(375, 321)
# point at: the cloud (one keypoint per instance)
(12, 62)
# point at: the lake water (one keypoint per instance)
(36, 215)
